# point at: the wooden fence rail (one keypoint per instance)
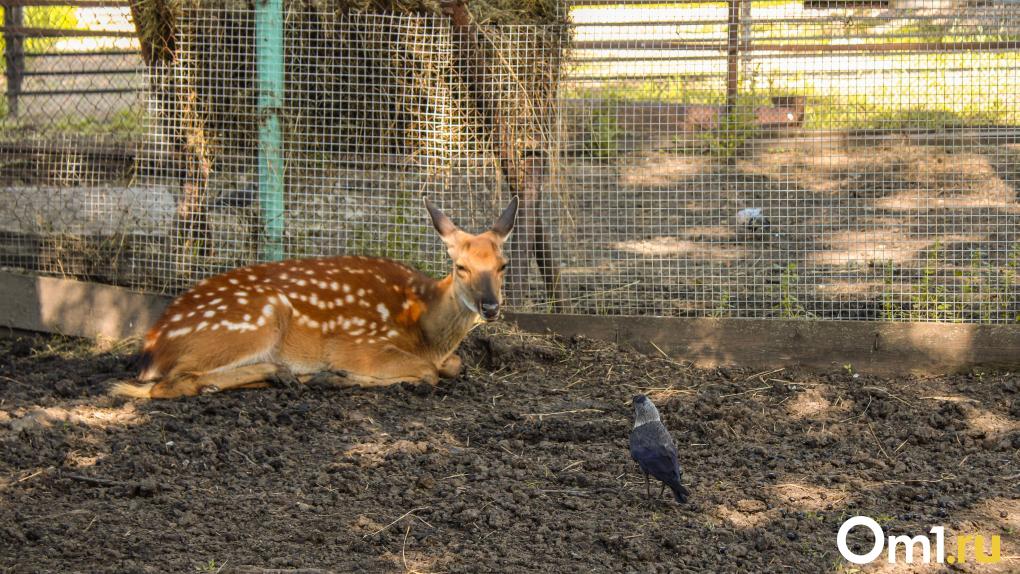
(15, 33)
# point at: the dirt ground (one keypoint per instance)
(521, 465)
(856, 226)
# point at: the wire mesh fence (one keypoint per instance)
(826, 160)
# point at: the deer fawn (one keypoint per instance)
(376, 321)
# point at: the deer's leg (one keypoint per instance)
(189, 385)
(385, 366)
(451, 367)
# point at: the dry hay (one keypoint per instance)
(379, 78)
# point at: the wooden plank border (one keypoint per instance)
(76, 308)
(882, 348)
(68, 307)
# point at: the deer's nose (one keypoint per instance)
(490, 311)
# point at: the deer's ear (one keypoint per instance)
(505, 224)
(440, 221)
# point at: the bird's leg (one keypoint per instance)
(648, 493)
(662, 489)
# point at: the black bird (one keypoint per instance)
(653, 449)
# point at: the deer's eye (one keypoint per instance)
(502, 267)
(462, 269)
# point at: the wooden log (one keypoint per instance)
(871, 347)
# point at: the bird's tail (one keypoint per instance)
(680, 492)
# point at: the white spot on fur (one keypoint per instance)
(191, 314)
(176, 318)
(384, 312)
(347, 288)
(222, 308)
(247, 317)
(241, 294)
(201, 326)
(215, 301)
(178, 332)
(392, 333)
(313, 323)
(364, 304)
(261, 321)
(284, 276)
(334, 286)
(233, 281)
(252, 278)
(272, 300)
(208, 314)
(245, 326)
(242, 301)
(267, 310)
(302, 282)
(349, 298)
(215, 327)
(361, 292)
(222, 289)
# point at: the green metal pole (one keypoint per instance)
(269, 47)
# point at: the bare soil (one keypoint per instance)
(521, 465)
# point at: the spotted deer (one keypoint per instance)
(375, 321)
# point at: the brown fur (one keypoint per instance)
(376, 320)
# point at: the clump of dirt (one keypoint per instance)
(519, 465)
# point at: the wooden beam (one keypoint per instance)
(75, 308)
(871, 347)
(73, 3)
(26, 32)
(817, 48)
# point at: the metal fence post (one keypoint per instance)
(14, 55)
(269, 46)
(732, 56)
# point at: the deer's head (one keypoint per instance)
(478, 262)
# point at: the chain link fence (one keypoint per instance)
(825, 160)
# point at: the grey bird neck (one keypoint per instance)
(646, 413)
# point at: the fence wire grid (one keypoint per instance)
(825, 160)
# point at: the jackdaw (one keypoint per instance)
(653, 449)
